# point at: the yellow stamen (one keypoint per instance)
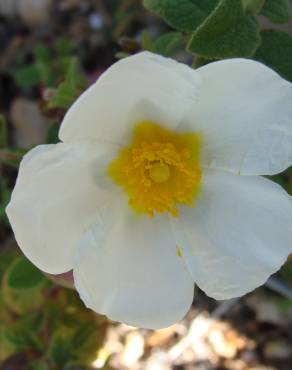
(179, 251)
(159, 169)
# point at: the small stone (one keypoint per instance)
(8, 8)
(95, 21)
(34, 12)
(161, 337)
(277, 350)
(66, 5)
(225, 341)
(266, 310)
(134, 348)
(30, 126)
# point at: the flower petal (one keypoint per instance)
(244, 112)
(129, 270)
(238, 234)
(141, 87)
(58, 191)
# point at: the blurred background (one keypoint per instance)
(50, 51)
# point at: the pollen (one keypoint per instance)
(159, 169)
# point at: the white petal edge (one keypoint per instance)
(58, 192)
(237, 235)
(244, 114)
(129, 270)
(141, 87)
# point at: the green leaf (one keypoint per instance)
(68, 91)
(64, 97)
(163, 45)
(277, 11)
(27, 76)
(147, 41)
(285, 304)
(60, 349)
(86, 340)
(276, 52)
(63, 47)
(74, 77)
(12, 156)
(228, 32)
(286, 272)
(23, 301)
(253, 7)
(5, 194)
(6, 259)
(183, 15)
(46, 73)
(201, 61)
(42, 53)
(166, 43)
(121, 55)
(24, 275)
(3, 131)
(19, 339)
(53, 134)
(82, 334)
(23, 334)
(39, 364)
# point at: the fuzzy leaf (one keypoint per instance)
(22, 335)
(70, 88)
(5, 194)
(253, 7)
(60, 349)
(27, 76)
(201, 61)
(63, 47)
(39, 364)
(165, 44)
(183, 15)
(52, 134)
(3, 131)
(42, 52)
(228, 32)
(12, 156)
(147, 41)
(277, 11)
(24, 275)
(86, 340)
(276, 52)
(6, 259)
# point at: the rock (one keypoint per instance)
(157, 361)
(68, 4)
(277, 350)
(134, 349)
(225, 341)
(32, 12)
(8, 8)
(30, 126)
(161, 337)
(266, 310)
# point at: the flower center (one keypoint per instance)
(159, 169)
(159, 172)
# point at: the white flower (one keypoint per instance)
(157, 185)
